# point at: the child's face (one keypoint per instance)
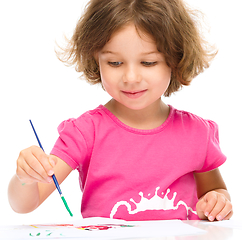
(132, 70)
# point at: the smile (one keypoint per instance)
(134, 94)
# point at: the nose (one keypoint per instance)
(132, 74)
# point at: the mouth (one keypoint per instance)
(134, 94)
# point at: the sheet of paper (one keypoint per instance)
(117, 229)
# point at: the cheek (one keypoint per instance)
(107, 79)
(109, 76)
(163, 78)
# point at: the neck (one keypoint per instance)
(147, 118)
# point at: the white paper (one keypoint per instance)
(140, 229)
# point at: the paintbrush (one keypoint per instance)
(53, 176)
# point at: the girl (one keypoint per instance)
(138, 158)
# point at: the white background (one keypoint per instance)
(36, 85)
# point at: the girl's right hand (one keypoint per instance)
(33, 165)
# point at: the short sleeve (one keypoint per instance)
(214, 156)
(71, 146)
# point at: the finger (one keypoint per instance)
(38, 174)
(225, 212)
(28, 175)
(53, 160)
(43, 159)
(32, 165)
(200, 208)
(220, 205)
(211, 200)
(229, 215)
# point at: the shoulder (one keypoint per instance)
(79, 133)
(86, 120)
(193, 124)
(189, 119)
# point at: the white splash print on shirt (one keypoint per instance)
(155, 203)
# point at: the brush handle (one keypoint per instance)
(56, 184)
(36, 136)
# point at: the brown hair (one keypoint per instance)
(169, 22)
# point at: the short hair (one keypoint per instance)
(170, 22)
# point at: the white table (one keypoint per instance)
(213, 232)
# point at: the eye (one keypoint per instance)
(115, 64)
(148, 64)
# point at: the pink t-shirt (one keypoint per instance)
(135, 174)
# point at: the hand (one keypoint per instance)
(214, 205)
(33, 165)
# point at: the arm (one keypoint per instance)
(32, 183)
(214, 199)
